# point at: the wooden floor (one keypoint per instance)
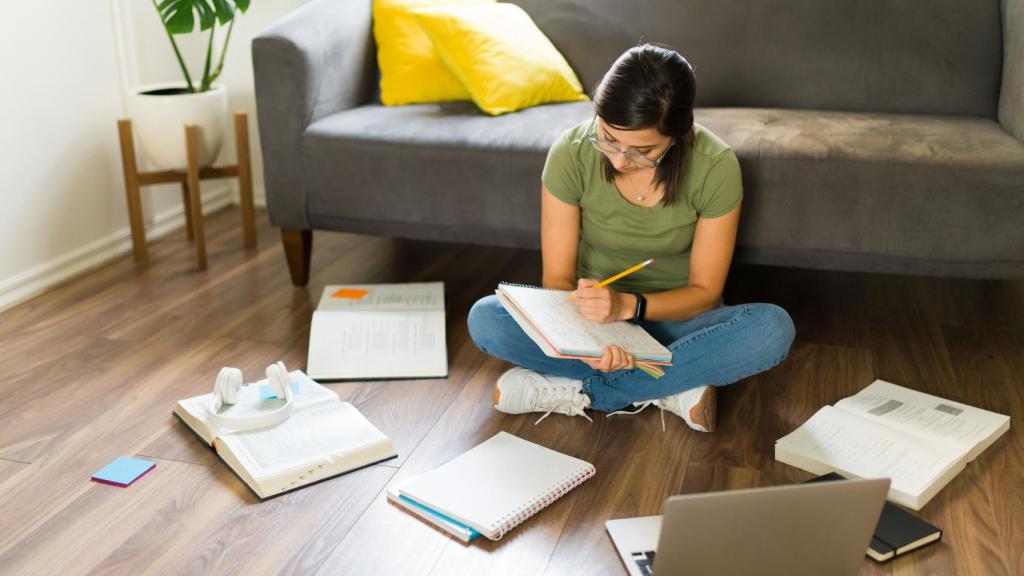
(90, 371)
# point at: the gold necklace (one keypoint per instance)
(639, 197)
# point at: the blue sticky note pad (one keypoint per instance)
(123, 471)
(267, 393)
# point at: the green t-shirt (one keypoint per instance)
(615, 235)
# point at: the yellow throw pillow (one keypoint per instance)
(502, 58)
(410, 69)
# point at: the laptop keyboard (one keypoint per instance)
(644, 561)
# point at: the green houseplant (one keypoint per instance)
(179, 17)
(160, 111)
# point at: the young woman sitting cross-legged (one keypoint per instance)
(639, 180)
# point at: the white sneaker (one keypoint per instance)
(519, 391)
(698, 407)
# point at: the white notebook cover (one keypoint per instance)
(498, 484)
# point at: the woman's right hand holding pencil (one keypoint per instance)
(601, 303)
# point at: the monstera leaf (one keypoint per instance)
(179, 16)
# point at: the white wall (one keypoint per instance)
(62, 200)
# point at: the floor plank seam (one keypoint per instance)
(440, 555)
(166, 459)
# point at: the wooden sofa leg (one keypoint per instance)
(298, 247)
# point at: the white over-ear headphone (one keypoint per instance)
(226, 390)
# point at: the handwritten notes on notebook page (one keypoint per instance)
(552, 317)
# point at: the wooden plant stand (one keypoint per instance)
(189, 179)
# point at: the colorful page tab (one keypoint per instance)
(350, 294)
(123, 471)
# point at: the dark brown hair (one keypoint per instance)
(651, 86)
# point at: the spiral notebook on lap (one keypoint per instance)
(494, 486)
(553, 322)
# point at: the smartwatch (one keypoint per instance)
(641, 308)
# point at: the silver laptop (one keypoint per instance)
(817, 528)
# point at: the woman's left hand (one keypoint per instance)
(600, 304)
(613, 358)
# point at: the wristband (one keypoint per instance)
(641, 308)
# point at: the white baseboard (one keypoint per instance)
(38, 279)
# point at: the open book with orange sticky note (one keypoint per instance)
(371, 331)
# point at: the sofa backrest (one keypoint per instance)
(910, 56)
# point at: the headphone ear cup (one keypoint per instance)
(227, 387)
(277, 377)
(286, 380)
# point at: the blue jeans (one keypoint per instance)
(716, 348)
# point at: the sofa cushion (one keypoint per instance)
(411, 70)
(896, 56)
(876, 183)
(427, 165)
(500, 56)
(814, 182)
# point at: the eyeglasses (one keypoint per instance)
(635, 159)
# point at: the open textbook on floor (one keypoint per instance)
(379, 331)
(918, 440)
(551, 320)
(323, 437)
(492, 487)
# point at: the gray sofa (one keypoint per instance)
(877, 136)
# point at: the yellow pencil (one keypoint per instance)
(627, 272)
(624, 273)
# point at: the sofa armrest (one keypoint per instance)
(1011, 96)
(317, 60)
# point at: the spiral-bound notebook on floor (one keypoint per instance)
(498, 484)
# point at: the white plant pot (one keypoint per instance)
(160, 120)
